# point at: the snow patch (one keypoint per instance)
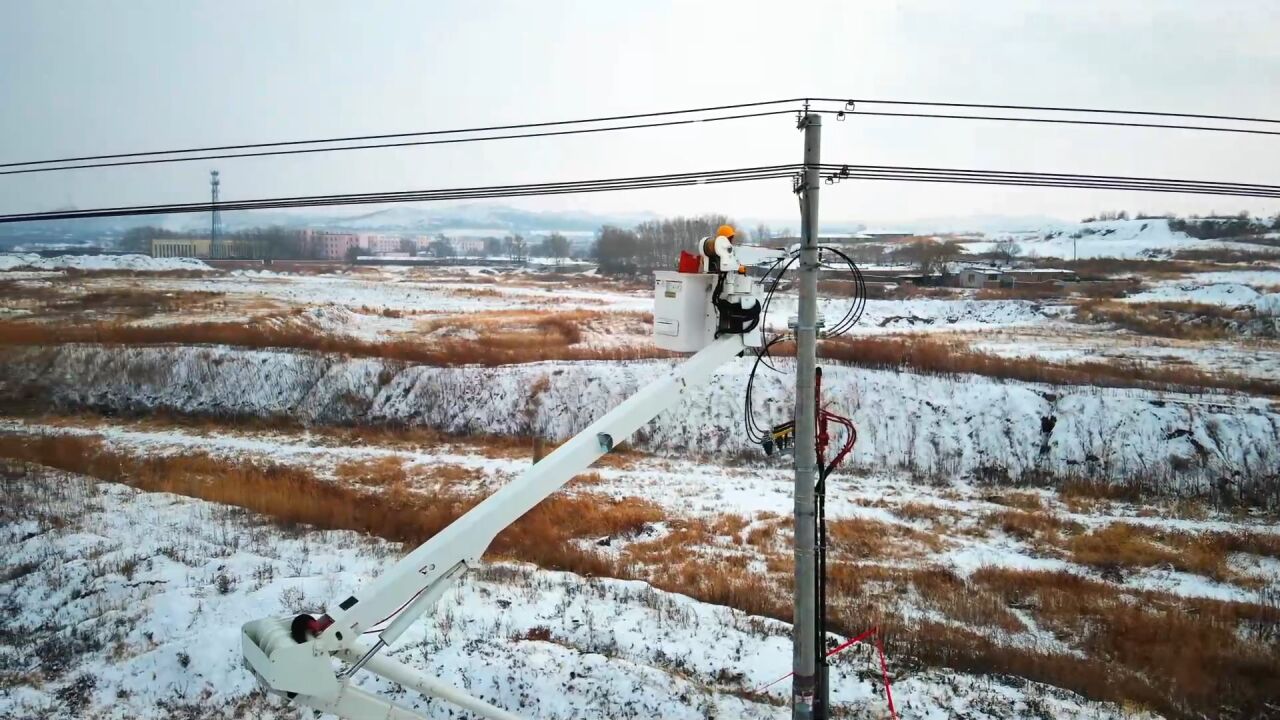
(132, 263)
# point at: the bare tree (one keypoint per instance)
(1007, 249)
(557, 246)
(441, 247)
(616, 249)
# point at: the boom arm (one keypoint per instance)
(293, 656)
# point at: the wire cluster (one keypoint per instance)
(758, 432)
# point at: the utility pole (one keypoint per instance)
(215, 216)
(805, 652)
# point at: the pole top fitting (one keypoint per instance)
(804, 121)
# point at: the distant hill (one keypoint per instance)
(458, 219)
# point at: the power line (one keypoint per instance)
(1046, 108)
(835, 173)
(1054, 121)
(831, 172)
(499, 191)
(850, 105)
(412, 143)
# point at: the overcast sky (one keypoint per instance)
(101, 77)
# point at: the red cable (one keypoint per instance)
(884, 672)
(841, 648)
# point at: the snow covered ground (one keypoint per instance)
(131, 263)
(1148, 238)
(927, 314)
(925, 423)
(1074, 344)
(158, 575)
(1258, 290)
(128, 605)
(687, 488)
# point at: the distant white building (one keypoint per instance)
(985, 276)
(975, 276)
(467, 246)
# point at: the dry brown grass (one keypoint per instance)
(1125, 545)
(1230, 255)
(1128, 545)
(1182, 657)
(1042, 530)
(863, 538)
(385, 472)
(1016, 499)
(917, 511)
(407, 438)
(549, 340)
(953, 357)
(1038, 291)
(78, 274)
(293, 496)
(1106, 289)
(61, 300)
(1179, 320)
(1105, 269)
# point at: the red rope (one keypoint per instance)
(884, 666)
(884, 672)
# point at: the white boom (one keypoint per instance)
(295, 656)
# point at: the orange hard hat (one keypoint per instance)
(725, 230)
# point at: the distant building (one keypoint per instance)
(470, 247)
(326, 245)
(207, 249)
(1014, 277)
(981, 276)
(882, 235)
(181, 247)
(380, 244)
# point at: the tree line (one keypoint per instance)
(654, 244)
(1210, 227)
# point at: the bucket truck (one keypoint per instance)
(713, 313)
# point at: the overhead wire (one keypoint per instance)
(763, 172)
(416, 133)
(849, 107)
(1053, 121)
(1048, 108)
(1040, 179)
(832, 172)
(414, 143)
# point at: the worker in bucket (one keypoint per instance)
(737, 308)
(717, 251)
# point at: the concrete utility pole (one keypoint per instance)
(804, 658)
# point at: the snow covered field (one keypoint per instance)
(131, 263)
(1147, 238)
(938, 544)
(126, 605)
(686, 488)
(1258, 290)
(917, 422)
